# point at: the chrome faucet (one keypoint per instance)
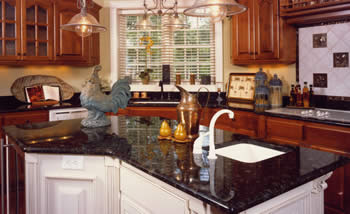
(197, 147)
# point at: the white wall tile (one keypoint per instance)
(320, 60)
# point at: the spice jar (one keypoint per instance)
(275, 92)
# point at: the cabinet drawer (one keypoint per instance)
(329, 137)
(148, 195)
(26, 117)
(285, 131)
(243, 123)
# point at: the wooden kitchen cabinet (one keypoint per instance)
(260, 36)
(10, 28)
(30, 34)
(69, 47)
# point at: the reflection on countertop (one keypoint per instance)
(230, 185)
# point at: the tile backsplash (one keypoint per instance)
(324, 57)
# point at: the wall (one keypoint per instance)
(324, 58)
(287, 73)
(74, 76)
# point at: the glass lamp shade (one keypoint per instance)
(177, 22)
(84, 25)
(145, 23)
(217, 10)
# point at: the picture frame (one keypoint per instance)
(241, 87)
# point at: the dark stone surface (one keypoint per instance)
(229, 185)
(10, 104)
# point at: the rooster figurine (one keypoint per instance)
(98, 103)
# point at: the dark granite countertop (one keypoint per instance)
(229, 185)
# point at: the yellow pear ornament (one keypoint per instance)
(165, 130)
(180, 132)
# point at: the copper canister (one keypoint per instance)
(188, 113)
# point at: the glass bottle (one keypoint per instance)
(311, 97)
(292, 96)
(299, 99)
(306, 97)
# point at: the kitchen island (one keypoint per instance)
(126, 169)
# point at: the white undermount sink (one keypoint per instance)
(248, 153)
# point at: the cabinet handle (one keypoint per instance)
(18, 54)
(340, 193)
(3, 175)
(24, 54)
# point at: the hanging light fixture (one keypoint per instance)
(175, 22)
(217, 10)
(83, 23)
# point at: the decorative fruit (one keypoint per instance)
(165, 130)
(180, 132)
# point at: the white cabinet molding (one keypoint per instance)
(112, 185)
(32, 184)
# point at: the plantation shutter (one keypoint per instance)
(187, 51)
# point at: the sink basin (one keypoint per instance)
(156, 102)
(248, 153)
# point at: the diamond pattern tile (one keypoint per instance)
(320, 60)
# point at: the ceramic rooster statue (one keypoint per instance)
(98, 103)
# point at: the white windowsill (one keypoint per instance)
(172, 88)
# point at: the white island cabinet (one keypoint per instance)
(77, 184)
(71, 184)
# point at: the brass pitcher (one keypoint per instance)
(189, 112)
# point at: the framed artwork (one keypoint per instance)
(241, 87)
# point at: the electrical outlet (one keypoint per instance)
(73, 162)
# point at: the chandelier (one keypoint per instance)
(160, 9)
(216, 10)
(84, 24)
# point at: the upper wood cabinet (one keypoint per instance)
(10, 28)
(30, 34)
(37, 30)
(309, 12)
(69, 47)
(260, 36)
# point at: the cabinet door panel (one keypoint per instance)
(285, 131)
(243, 33)
(37, 30)
(129, 206)
(10, 43)
(152, 197)
(266, 29)
(334, 194)
(69, 195)
(69, 46)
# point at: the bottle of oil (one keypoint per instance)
(311, 97)
(292, 96)
(306, 96)
(299, 100)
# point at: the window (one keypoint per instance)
(187, 51)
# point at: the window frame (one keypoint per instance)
(130, 7)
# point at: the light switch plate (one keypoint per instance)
(73, 162)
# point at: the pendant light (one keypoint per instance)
(217, 10)
(83, 23)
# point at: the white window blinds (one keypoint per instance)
(187, 51)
